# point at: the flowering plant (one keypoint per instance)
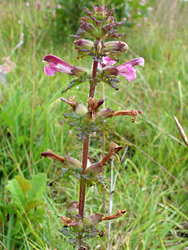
(98, 26)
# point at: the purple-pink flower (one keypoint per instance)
(57, 64)
(125, 69)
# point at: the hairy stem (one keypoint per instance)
(86, 147)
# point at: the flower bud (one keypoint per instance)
(98, 46)
(105, 113)
(84, 44)
(81, 109)
(116, 46)
(79, 71)
(92, 220)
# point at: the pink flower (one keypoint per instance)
(37, 5)
(125, 69)
(106, 61)
(57, 64)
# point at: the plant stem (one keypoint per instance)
(82, 181)
(93, 82)
(86, 147)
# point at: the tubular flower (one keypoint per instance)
(57, 64)
(125, 69)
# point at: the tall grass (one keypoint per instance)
(31, 122)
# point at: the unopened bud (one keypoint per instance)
(105, 113)
(81, 109)
(84, 44)
(116, 46)
(98, 46)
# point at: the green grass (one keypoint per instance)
(31, 115)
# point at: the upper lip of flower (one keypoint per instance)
(57, 64)
(134, 62)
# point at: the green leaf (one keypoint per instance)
(16, 193)
(7, 119)
(24, 184)
(33, 204)
(38, 184)
(39, 215)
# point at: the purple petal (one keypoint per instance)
(108, 61)
(134, 62)
(127, 71)
(49, 71)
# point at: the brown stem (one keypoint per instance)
(103, 154)
(93, 82)
(86, 147)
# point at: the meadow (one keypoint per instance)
(152, 178)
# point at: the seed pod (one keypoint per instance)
(95, 168)
(105, 113)
(81, 109)
(92, 220)
(72, 162)
(72, 208)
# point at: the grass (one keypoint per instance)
(31, 115)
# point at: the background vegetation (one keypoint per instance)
(31, 122)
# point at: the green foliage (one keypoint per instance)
(26, 205)
(77, 239)
(26, 194)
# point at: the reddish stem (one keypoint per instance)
(86, 147)
(93, 82)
